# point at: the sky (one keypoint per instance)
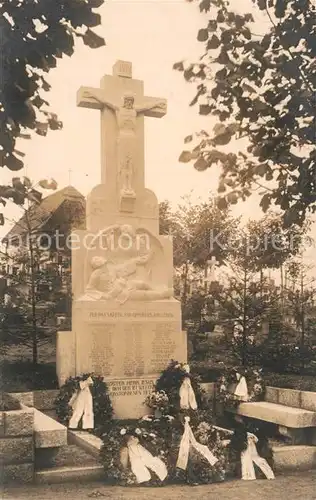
(153, 35)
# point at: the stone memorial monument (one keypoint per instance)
(126, 324)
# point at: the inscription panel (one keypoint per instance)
(129, 341)
(131, 387)
(101, 316)
(163, 346)
(133, 349)
(128, 396)
(102, 353)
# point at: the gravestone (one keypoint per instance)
(126, 324)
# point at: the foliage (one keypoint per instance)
(36, 274)
(244, 303)
(194, 228)
(170, 382)
(102, 406)
(238, 443)
(301, 382)
(260, 87)
(199, 470)
(287, 357)
(33, 36)
(266, 244)
(227, 383)
(161, 437)
(22, 376)
(299, 295)
(153, 437)
(158, 400)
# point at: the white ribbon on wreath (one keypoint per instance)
(186, 393)
(241, 391)
(142, 461)
(82, 406)
(249, 457)
(188, 440)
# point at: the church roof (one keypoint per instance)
(39, 215)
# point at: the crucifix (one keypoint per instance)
(123, 106)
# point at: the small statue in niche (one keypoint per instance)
(126, 174)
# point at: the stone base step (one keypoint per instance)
(294, 458)
(65, 456)
(286, 459)
(88, 443)
(69, 474)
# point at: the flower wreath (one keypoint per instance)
(102, 406)
(168, 387)
(162, 437)
(198, 469)
(151, 437)
(226, 386)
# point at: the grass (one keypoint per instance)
(19, 374)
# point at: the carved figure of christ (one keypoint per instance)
(126, 114)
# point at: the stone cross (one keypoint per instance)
(123, 106)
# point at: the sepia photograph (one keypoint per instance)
(157, 249)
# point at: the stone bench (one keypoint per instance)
(295, 418)
(291, 397)
(48, 432)
(16, 445)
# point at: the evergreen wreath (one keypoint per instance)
(238, 444)
(152, 436)
(170, 382)
(102, 406)
(226, 383)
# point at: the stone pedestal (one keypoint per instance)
(126, 325)
(128, 344)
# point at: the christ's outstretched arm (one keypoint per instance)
(96, 97)
(141, 109)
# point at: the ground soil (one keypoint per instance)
(290, 487)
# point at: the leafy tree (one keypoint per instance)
(33, 35)
(262, 88)
(300, 294)
(200, 231)
(37, 290)
(37, 277)
(244, 302)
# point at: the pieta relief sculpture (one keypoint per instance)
(124, 271)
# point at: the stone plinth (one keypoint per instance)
(65, 356)
(128, 344)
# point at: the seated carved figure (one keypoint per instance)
(120, 282)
